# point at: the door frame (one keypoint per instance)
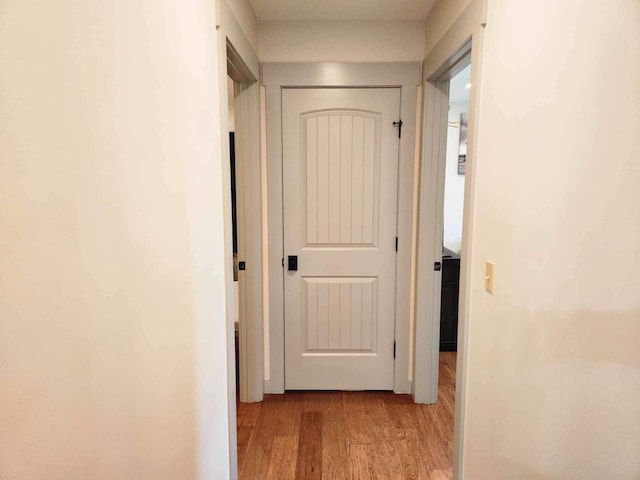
(249, 230)
(275, 77)
(460, 45)
(238, 60)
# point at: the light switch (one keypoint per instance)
(489, 274)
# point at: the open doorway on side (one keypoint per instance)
(242, 130)
(234, 226)
(441, 234)
(453, 207)
(460, 48)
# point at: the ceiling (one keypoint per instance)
(318, 10)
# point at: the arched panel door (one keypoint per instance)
(340, 166)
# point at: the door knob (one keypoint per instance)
(292, 263)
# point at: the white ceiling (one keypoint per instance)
(342, 9)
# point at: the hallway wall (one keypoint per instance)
(347, 41)
(553, 360)
(442, 16)
(246, 18)
(112, 336)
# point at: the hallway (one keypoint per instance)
(349, 435)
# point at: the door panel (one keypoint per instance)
(340, 314)
(340, 154)
(341, 163)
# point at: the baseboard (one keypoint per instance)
(448, 346)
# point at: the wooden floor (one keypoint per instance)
(348, 435)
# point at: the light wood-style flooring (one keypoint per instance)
(348, 435)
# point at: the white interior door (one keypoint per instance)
(340, 166)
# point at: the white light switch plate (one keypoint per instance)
(489, 274)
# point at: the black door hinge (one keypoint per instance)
(282, 262)
(396, 244)
(437, 266)
(399, 125)
(394, 349)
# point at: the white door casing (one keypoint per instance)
(340, 167)
(276, 77)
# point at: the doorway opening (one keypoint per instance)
(242, 130)
(234, 227)
(278, 79)
(459, 50)
(453, 208)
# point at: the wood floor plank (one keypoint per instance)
(385, 460)
(360, 463)
(434, 448)
(441, 416)
(258, 456)
(309, 459)
(247, 414)
(349, 435)
(319, 401)
(334, 443)
(441, 474)
(414, 466)
(244, 435)
(356, 419)
(399, 408)
(447, 369)
(449, 357)
(289, 412)
(446, 373)
(284, 452)
(274, 398)
(444, 411)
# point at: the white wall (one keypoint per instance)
(348, 41)
(237, 26)
(443, 14)
(112, 335)
(246, 18)
(554, 359)
(453, 183)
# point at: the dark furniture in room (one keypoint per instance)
(449, 301)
